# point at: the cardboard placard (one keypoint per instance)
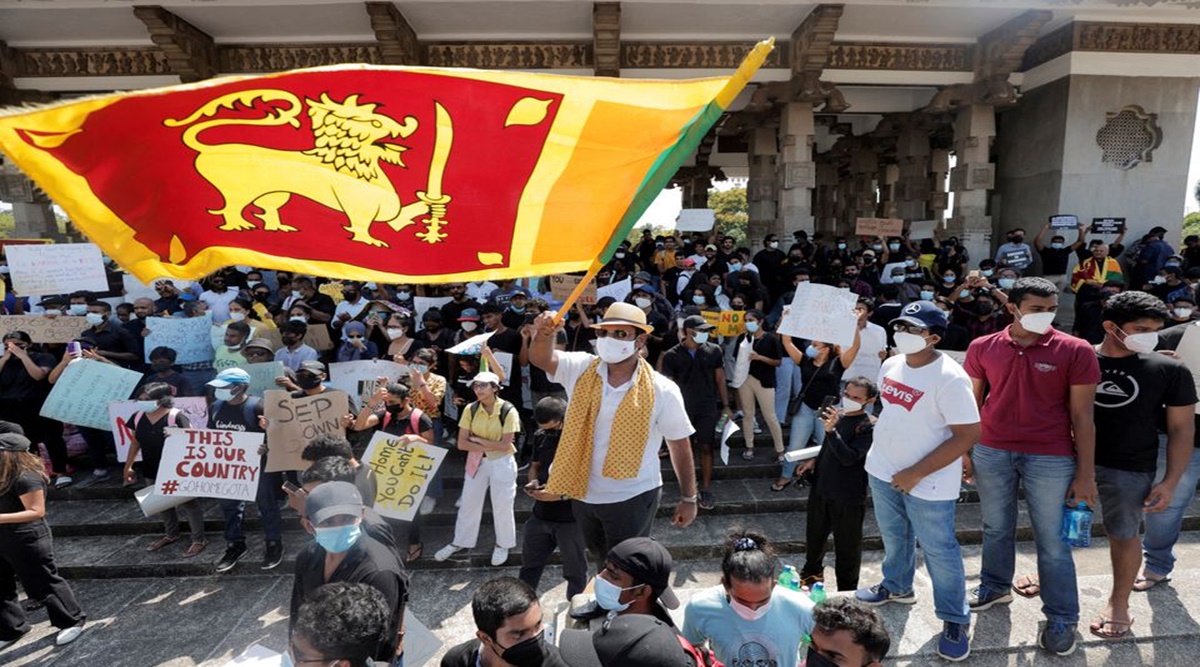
(874, 227)
(727, 322)
(263, 376)
(821, 313)
(1064, 222)
(120, 416)
(56, 268)
(44, 328)
(922, 229)
(695, 220)
(561, 287)
(203, 463)
(83, 391)
(293, 422)
(189, 336)
(1108, 225)
(402, 473)
(358, 378)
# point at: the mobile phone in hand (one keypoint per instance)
(292, 488)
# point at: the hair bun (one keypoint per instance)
(744, 544)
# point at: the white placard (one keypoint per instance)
(422, 304)
(203, 463)
(618, 290)
(1189, 353)
(136, 289)
(56, 268)
(472, 345)
(821, 313)
(420, 644)
(922, 229)
(257, 656)
(83, 391)
(885, 276)
(797, 455)
(151, 503)
(731, 427)
(120, 415)
(357, 378)
(506, 363)
(695, 220)
(190, 337)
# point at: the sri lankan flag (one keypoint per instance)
(385, 174)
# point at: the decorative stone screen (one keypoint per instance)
(1129, 137)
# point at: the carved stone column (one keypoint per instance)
(31, 208)
(864, 167)
(826, 199)
(796, 169)
(912, 154)
(889, 190)
(972, 177)
(760, 191)
(939, 199)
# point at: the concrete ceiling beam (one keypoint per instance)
(398, 44)
(191, 52)
(606, 38)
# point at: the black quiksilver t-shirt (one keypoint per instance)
(1131, 393)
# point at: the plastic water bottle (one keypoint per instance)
(804, 642)
(818, 593)
(1077, 525)
(789, 578)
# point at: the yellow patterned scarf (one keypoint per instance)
(627, 442)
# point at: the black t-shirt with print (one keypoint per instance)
(1131, 393)
(26, 482)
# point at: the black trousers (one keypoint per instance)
(605, 526)
(845, 523)
(540, 539)
(26, 552)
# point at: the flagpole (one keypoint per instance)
(578, 291)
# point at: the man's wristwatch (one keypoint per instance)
(689, 499)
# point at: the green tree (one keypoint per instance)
(1191, 224)
(731, 211)
(7, 223)
(1196, 192)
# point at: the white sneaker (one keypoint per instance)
(446, 552)
(499, 556)
(69, 635)
(427, 505)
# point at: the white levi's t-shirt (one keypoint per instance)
(669, 420)
(919, 406)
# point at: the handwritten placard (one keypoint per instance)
(874, 227)
(358, 378)
(727, 322)
(1108, 225)
(120, 418)
(561, 287)
(821, 313)
(1063, 221)
(56, 268)
(203, 463)
(402, 473)
(695, 220)
(45, 329)
(83, 391)
(293, 422)
(189, 336)
(922, 229)
(263, 376)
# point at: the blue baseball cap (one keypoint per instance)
(924, 314)
(230, 376)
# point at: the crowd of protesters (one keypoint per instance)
(956, 375)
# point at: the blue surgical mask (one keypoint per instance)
(1006, 283)
(811, 352)
(987, 273)
(1058, 246)
(608, 595)
(893, 247)
(701, 337)
(517, 310)
(421, 369)
(949, 280)
(1172, 264)
(964, 294)
(752, 327)
(338, 539)
(734, 266)
(699, 300)
(926, 295)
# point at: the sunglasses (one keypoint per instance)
(355, 337)
(619, 334)
(901, 327)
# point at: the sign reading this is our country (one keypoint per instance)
(293, 422)
(821, 313)
(203, 463)
(403, 470)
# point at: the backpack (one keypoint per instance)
(414, 421)
(248, 416)
(505, 409)
(172, 418)
(701, 656)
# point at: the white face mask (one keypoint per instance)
(395, 332)
(469, 326)
(613, 351)
(1143, 342)
(748, 614)
(77, 309)
(237, 316)
(225, 394)
(296, 294)
(907, 343)
(699, 300)
(850, 405)
(95, 319)
(403, 296)
(1038, 323)
(773, 245)
(298, 318)
(1183, 313)
(146, 406)
(701, 337)
(642, 303)
(608, 595)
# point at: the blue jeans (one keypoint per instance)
(1162, 528)
(903, 521)
(787, 385)
(805, 425)
(268, 508)
(1045, 478)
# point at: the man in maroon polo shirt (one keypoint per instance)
(1035, 387)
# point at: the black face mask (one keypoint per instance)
(985, 308)
(350, 296)
(262, 297)
(308, 381)
(395, 409)
(815, 659)
(160, 366)
(529, 653)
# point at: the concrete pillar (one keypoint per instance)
(972, 177)
(695, 192)
(760, 189)
(939, 198)
(912, 153)
(864, 168)
(34, 220)
(889, 189)
(796, 169)
(826, 197)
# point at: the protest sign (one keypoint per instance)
(471, 346)
(420, 644)
(1108, 225)
(293, 422)
(1064, 222)
(358, 378)
(822, 313)
(203, 463)
(120, 418)
(188, 336)
(874, 227)
(618, 290)
(922, 229)
(727, 432)
(561, 287)
(152, 503)
(1018, 258)
(43, 329)
(5, 243)
(695, 220)
(422, 304)
(83, 391)
(262, 376)
(136, 289)
(402, 473)
(727, 322)
(333, 291)
(506, 364)
(56, 268)
(1189, 353)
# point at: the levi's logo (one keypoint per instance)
(900, 394)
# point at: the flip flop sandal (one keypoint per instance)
(164, 541)
(1099, 629)
(1027, 586)
(195, 548)
(777, 487)
(414, 552)
(1143, 584)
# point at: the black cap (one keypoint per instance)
(698, 323)
(629, 640)
(313, 366)
(332, 499)
(648, 562)
(924, 314)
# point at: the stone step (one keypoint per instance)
(124, 555)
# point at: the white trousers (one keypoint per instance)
(499, 476)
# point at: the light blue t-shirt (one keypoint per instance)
(773, 639)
